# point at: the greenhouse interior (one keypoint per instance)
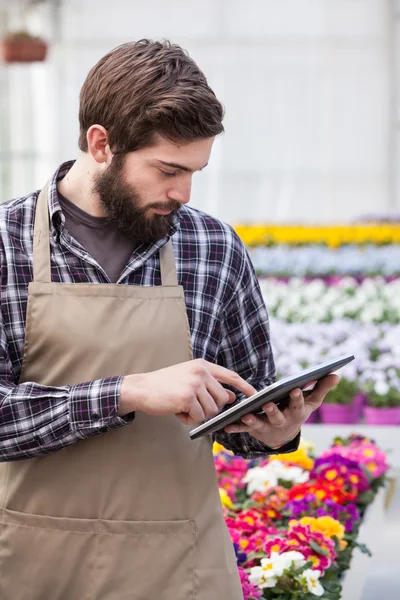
(199, 199)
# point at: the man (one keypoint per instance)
(128, 317)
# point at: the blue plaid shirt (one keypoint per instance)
(226, 312)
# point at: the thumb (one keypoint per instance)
(321, 389)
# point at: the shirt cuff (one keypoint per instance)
(94, 405)
(290, 446)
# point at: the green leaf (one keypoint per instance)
(318, 548)
(364, 549)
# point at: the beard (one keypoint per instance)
(124, 208)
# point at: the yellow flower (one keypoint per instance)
(368, 452)
(332, 235)
(328, 526)
(225, 500)
(299, 457)
(331, 474)
(219, 448)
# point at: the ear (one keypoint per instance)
(98, 146)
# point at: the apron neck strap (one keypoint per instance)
(41, 247)
(41, 239)
(168, 265)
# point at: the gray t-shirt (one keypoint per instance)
(102, 240)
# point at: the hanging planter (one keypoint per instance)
(21, 47)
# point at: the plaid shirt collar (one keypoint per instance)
(57, 218)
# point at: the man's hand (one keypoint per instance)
(277, 427)
(191, 390)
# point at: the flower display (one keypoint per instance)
(294, 521)
(299, 300)
(327, 235)
(311, 261)
(375, 346)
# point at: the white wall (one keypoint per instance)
(307, 90)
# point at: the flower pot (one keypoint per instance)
(337, 414)
(23, 50)
(357, 405)
(314, 417)
(382, 416)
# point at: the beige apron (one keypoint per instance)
(133, 513)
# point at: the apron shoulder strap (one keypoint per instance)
(168, 265)
(41, 239)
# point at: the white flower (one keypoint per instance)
(311, 577)
(307, 445)
(292, 559)
(294, 474)
(381, 388)
(266, 575)
(260, 479)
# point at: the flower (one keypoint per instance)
(217, 448)
(307, 445)
(311, 578)
(274, 499)
(321, 489)
(326, 525)
(299, 458)
(225, 499)
(357, 455)
(249, 590)
(292, 558)
(260, 479)
(331, 235)
(266, 575)
(307, 541)
(342, 472)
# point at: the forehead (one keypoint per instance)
(193, 155)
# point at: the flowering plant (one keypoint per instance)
(359, 261)
(294, 520)
(326, 235)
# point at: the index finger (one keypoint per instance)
(229, 377)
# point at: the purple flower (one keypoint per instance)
(337, 460)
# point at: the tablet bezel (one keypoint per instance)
(273, 393)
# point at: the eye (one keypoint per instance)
(168, 174)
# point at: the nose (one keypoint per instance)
(180, 192)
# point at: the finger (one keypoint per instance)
(296, 403)
(231, 397)
(237, 429)
(186, 419)
(196, 412)
(255, 423)
(208, 403)
(275, 416)
(220, 395)
(231, 378)
(323, 386)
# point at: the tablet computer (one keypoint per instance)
(277, 392)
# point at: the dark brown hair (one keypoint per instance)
(145, 87)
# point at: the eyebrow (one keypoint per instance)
(181, 167)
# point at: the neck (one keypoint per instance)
(77, 187)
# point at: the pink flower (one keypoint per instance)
(319, 561)
(249, 590)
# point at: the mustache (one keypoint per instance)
(164, 206)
